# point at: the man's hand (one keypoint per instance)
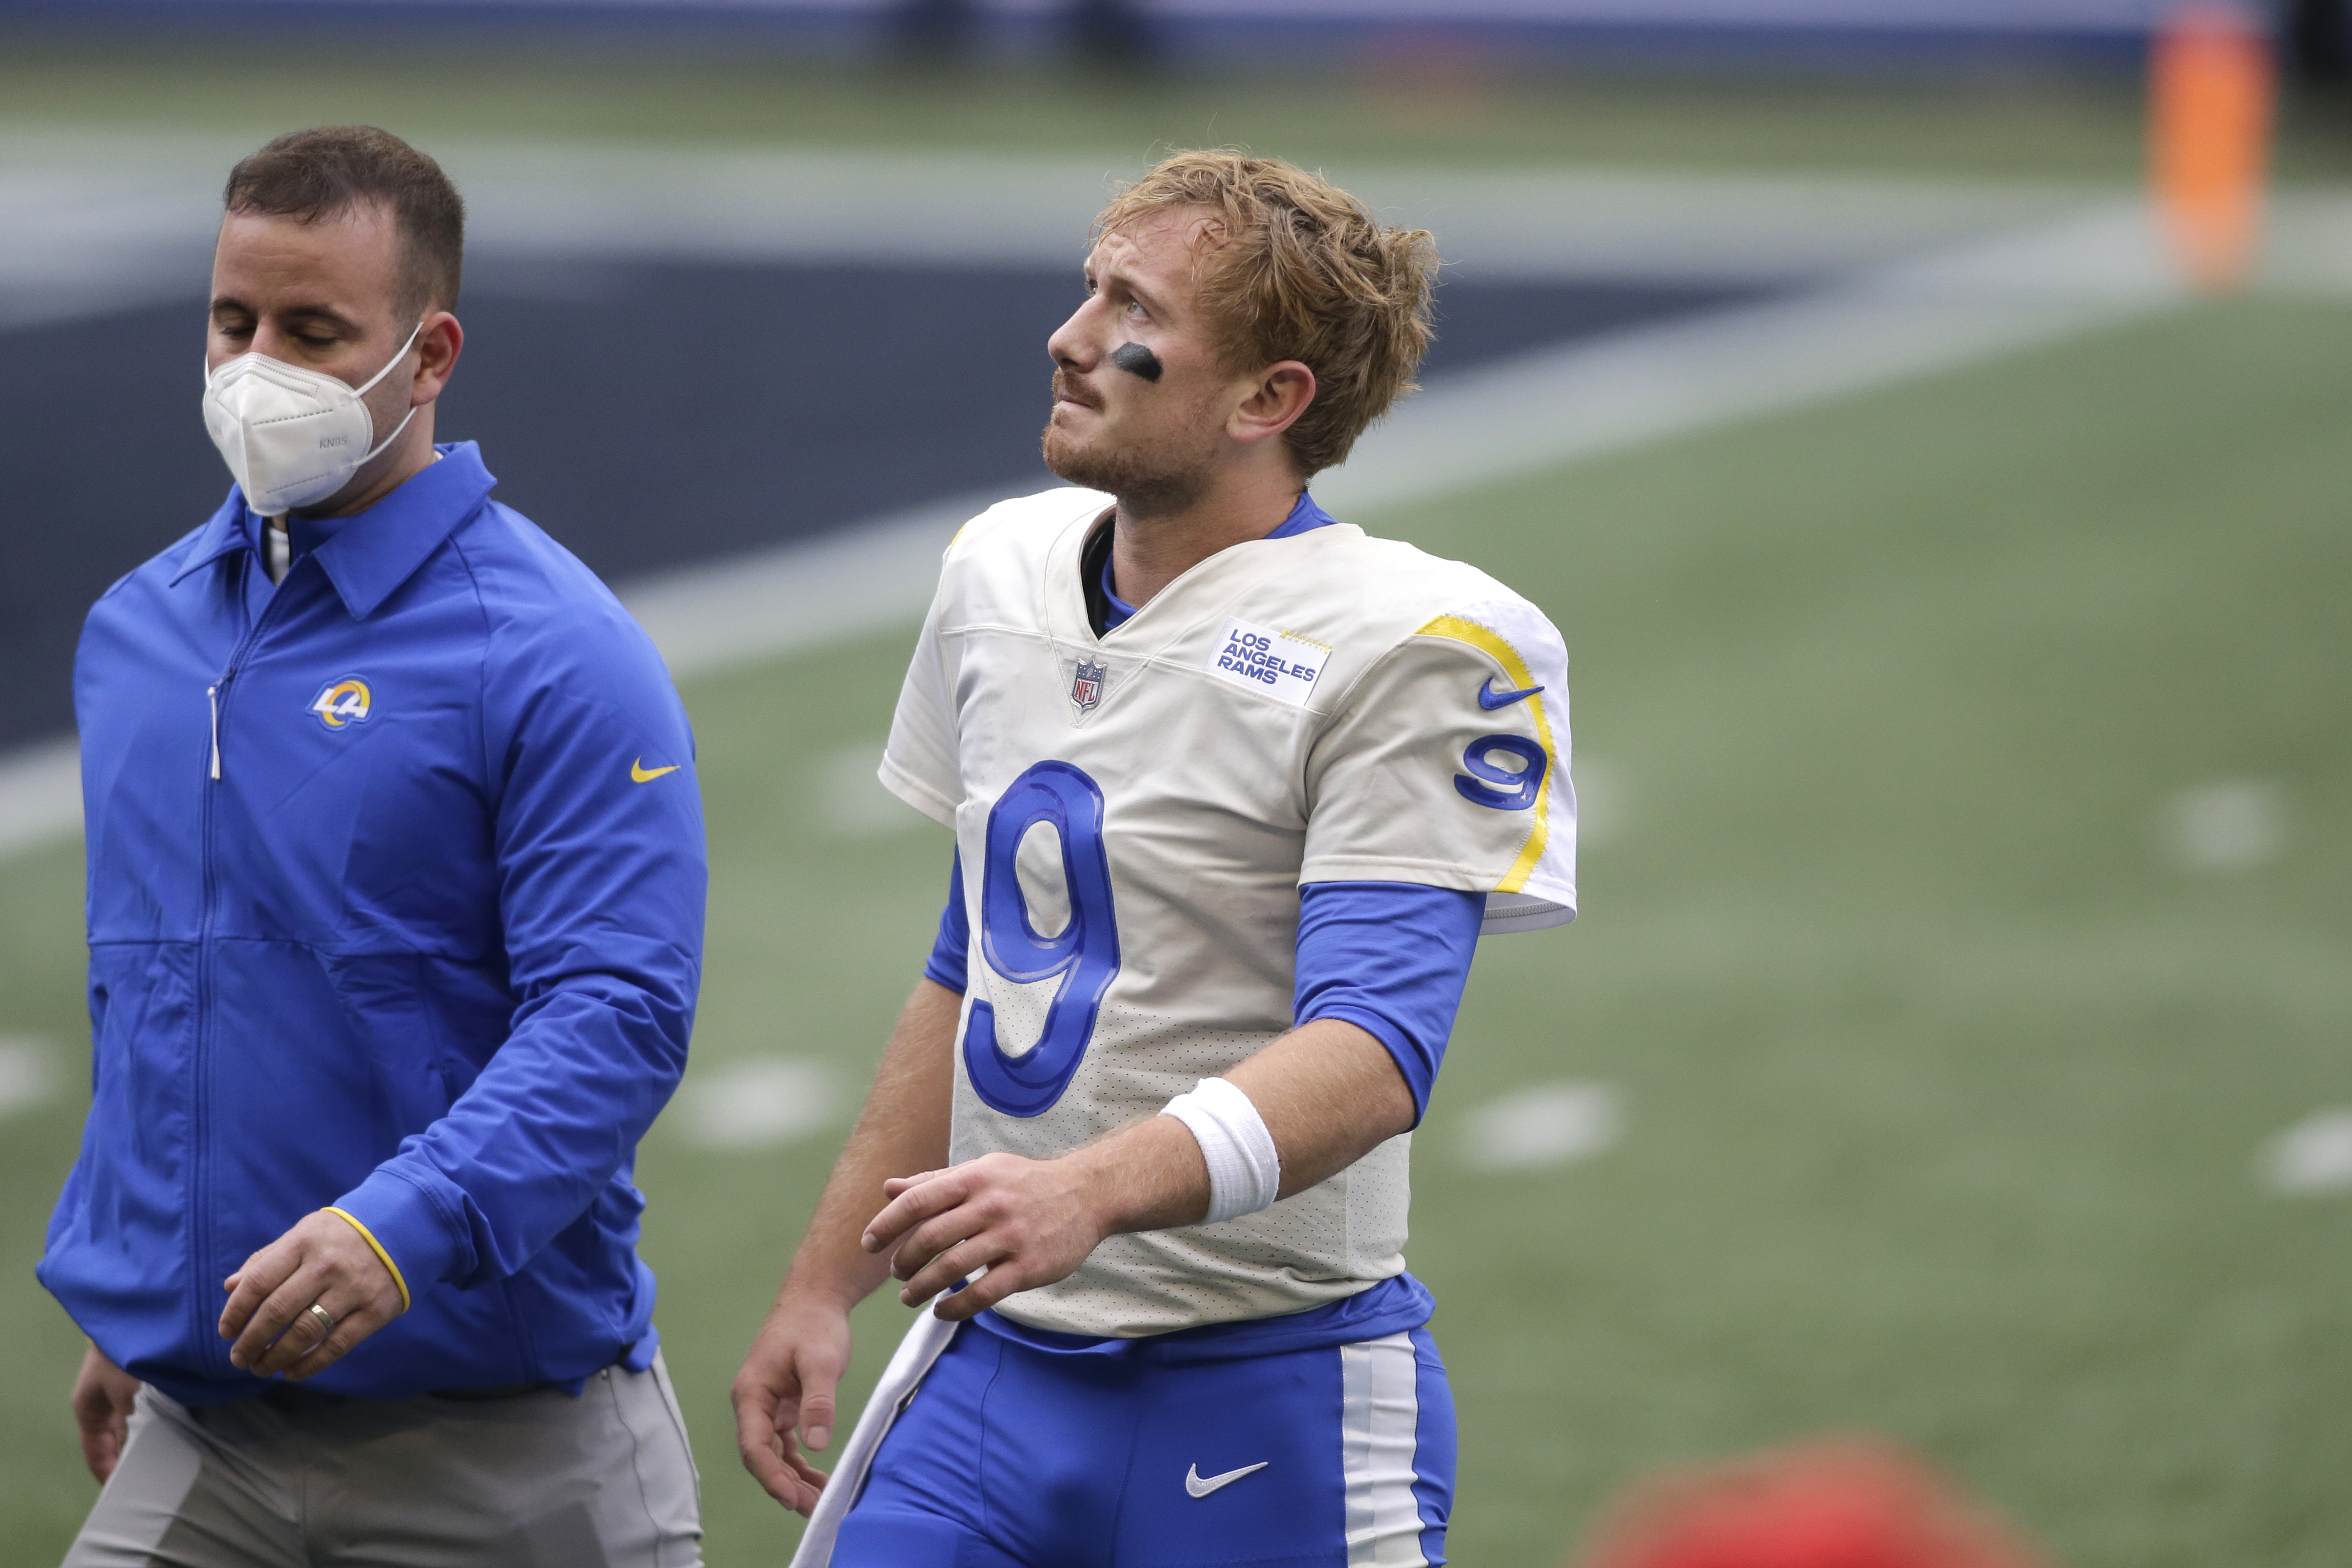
(1030, 1222)
(796, 1363)
(1027, 1222)
(788, 1381)
(102, 1395)
(322, 1261)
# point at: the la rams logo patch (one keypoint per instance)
(343, 702)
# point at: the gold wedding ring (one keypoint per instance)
(326, 1320)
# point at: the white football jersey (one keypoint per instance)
(1137, 812)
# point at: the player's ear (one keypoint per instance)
(1274, 402)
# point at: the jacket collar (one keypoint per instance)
(224, 533)
(367, 555)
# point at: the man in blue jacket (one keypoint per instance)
(395, 897)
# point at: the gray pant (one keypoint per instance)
(295, 1480)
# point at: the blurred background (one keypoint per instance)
(1929, 421)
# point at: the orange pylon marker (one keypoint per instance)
(2211, 90)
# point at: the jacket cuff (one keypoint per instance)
(404, 1227)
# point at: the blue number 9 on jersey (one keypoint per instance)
(1085, 952)
(1503, 789)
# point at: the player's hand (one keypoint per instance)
(103, 1396)
(788, 1381)
(323, 1260)
(1026, 1222)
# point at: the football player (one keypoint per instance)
(1235, 788)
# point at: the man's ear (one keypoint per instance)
(1282, 394)
(438, 345)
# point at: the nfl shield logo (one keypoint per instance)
(1085, 691)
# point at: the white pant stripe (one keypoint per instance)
(926, 1339)
(1380, 1413)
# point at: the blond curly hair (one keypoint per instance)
(1289, 265)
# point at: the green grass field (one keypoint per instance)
(1943, 1088)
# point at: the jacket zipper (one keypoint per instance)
(200, 1163)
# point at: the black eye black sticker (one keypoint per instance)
(1137, 360)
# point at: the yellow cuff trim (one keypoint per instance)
(377, 1248)
(1515, 669)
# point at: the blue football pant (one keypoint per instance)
(1014, 1457)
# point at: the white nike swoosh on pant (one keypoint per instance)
(1200, 1484)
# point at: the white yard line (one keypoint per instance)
(768, 603)
(100, 218)
(980, 208)
(104, 218)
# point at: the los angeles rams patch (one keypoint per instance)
(343, 701)
(1263, 659)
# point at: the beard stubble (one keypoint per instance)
(1146, 478)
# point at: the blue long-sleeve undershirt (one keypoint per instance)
(1390, 958)
(951, 952)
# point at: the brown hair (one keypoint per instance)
(309, 175)
(1292, 266)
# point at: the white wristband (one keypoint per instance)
(1244, 1168)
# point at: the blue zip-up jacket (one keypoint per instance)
(395, 905)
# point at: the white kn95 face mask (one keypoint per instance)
(292, 436)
